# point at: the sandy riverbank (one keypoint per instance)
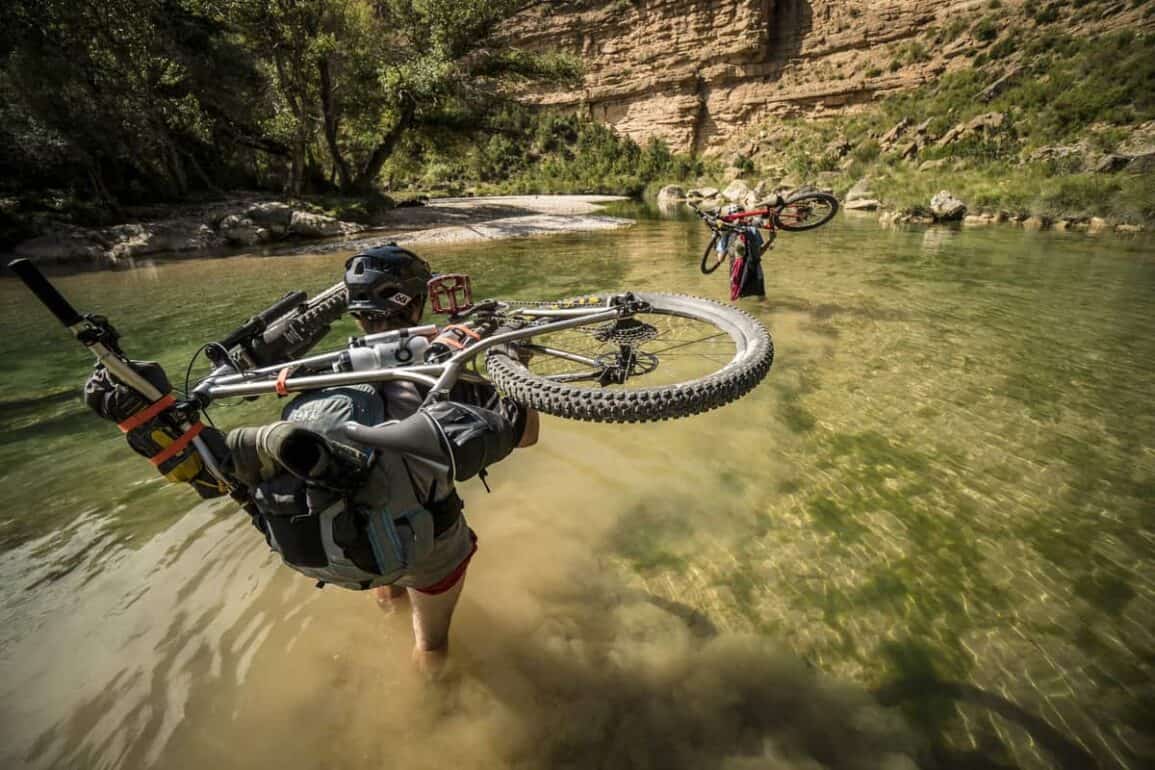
(287, 227)
(452, 220)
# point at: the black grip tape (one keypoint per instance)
(45, 291)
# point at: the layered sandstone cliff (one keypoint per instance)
(697, 73)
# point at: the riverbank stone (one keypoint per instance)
(139, 240)
(273, 215)
(945, 207)
(68, 244)
(859, 191)
(670, 193)
(737, 191)
(314, 225)
(242, 231)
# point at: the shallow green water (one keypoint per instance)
(943, 494)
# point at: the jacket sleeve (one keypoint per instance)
(457, 436)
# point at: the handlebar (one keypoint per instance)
(45, 292)
(261, 320)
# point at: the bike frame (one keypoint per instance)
(225, 382)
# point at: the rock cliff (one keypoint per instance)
(697, 73)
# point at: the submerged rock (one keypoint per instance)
(670, 193)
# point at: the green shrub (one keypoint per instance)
(985, 29)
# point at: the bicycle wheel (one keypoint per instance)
(711, 259)
(806, 211)
(679, 357)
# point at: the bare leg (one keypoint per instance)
(387, 597)
(432, 614)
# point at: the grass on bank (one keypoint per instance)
(1089, 93)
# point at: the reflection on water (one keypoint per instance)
(925, 540)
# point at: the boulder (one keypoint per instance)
(986, 123)
(909, 150)
(1126, 228)
(241, 231)
(1057, 152)
(947, 208)
(893, 135)
(138, 240)
(1097, 225)
(1036, 222)
(694, 194)
(670, 193)
(860, 190)
(736, 191)
(1112, 162)
(761, 189)
(68, 244)
(1000, 85)
(708, 192)
(980, 219)
(314, 225)
(273, 215)
(862, 204)
(1144, 163)
(890, 218)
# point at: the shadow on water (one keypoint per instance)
(931, 704)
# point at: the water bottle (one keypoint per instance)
(383, 355)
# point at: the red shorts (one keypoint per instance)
(450, 580)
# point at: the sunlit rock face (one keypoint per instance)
(698, 73)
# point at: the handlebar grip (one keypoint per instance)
(45, 292)
(261, 320)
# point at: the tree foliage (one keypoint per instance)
(154, 99)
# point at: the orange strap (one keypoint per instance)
(282, 391)
(177, 445)
(452, 342)
(146, 414)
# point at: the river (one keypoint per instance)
(925, 540)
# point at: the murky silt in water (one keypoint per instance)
(925, 540)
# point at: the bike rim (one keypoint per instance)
(656, 348)
(802, 213)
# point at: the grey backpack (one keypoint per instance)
(377, 511)
(363, 527)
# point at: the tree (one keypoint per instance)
(362, 73)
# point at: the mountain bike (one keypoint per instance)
(616, 357)
(735, 233)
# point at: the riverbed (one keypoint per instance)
(926, 539)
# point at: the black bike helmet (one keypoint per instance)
(386, 279)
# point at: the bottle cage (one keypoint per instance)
(450, 293)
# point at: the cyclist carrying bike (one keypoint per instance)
(387, 290)
(355, 484)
